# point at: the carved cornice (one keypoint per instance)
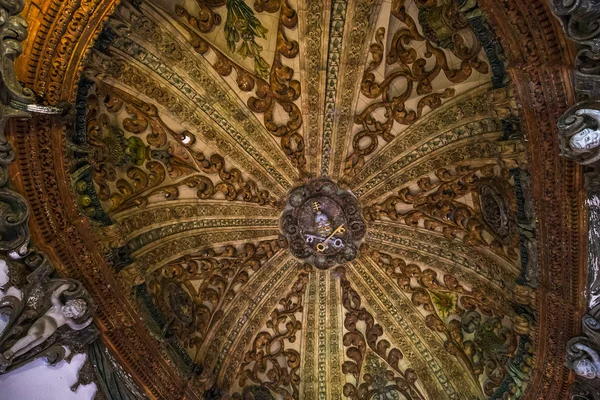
(539, 59)
(44, 316)
(55, 51)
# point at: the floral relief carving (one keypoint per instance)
(445, 37)
(272, 363)
(134, 155)
(272, 89)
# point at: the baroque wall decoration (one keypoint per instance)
(201, 131)
(42, 316)
(578, 130)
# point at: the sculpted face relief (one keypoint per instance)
(586, 140)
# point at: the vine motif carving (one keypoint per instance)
(151, 159)
(359, 342)
(556, 220)
(446, 27)
(271, 363)
(275, 88)
(474, 325)
(193, 291)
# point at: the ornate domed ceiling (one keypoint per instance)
(310, 200)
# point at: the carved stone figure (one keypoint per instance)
(46, 317)
(579, 130)
(58, 315)
(586, 361)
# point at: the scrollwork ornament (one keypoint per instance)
(583, 359)
(579, 19)
(14, 213)
(584, 391)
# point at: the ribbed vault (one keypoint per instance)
(195, 119)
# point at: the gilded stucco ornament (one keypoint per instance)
(323, 223)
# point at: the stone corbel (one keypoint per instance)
(45, 316)
(584, 360)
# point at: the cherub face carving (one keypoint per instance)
(585, 140)
(74, 308)
(586, 368)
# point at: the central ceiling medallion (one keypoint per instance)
(324, 224)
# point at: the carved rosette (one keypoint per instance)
(324, 225)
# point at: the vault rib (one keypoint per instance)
(474, 268)
(363, 14)
(155, 255)
(135, 222)
(466, 113)
(189, 114)
(404, 315)
(309, 385)
(476, 264)
(314, 38)
(477, 150)
(277, 295)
